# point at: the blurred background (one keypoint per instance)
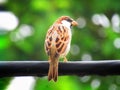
(23, 26)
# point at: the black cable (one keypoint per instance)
(40, 68)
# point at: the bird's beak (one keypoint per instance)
(74, 23)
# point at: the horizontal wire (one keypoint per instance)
(40, 68)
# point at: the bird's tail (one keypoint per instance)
(53, 70)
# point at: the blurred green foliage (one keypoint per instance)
(96, 38)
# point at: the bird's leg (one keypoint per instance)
(65, 59)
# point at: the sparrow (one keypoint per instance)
(57, 43)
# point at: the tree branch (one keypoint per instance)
(40, 68)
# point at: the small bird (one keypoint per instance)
(57, 43)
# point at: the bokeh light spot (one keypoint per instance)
(101, 19)
(75, 50)
(85, 79)
(117, 43)
(8, 21)
(115, 23)
(21, 83)
(86, 57)
(81, 22)
(95, 83)
(112, 87)
(24, 31)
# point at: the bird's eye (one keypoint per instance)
(69, 20)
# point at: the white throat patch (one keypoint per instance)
(66, 23)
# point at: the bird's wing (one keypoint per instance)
(57, 38)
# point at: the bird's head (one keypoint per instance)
(67, 21)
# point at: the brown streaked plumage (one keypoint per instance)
(57, 43)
